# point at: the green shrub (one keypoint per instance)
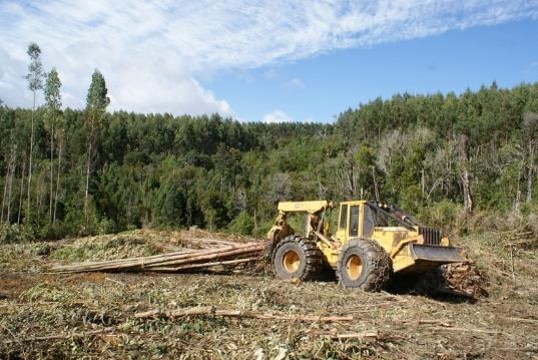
(107, 226)
(262, 229)
(445, 214)
(117, 247)
(14, 233)
(243, 224)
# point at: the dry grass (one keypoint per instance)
(93, 315)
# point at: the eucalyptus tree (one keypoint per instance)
(35, 83)
(53, 99)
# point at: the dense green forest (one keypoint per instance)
(466, 161)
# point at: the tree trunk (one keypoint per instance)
(256, 216)
(463, 166)
(57, 180)
(467, 198)
(39, 197)
(88, 166)
(10, 190)
(87, 182)
(7, 186)
(23, 169)
(51, 172)
(30, 161)
(5, 192)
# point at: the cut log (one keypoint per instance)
(373, 335)
(195, 240)
(211, 310)
(217, 255)
(203, 265)
(175, 261)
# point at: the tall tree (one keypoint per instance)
(96, 104)
(53, 99)
(35, 82)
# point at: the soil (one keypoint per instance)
(92, 315)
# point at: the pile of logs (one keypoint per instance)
(466, 277)
(231, 254)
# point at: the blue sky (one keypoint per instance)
(267, 61)
(321, 87)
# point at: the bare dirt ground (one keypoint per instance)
(92, 315)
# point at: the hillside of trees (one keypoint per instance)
(467, 162)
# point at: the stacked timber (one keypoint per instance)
(230, 254)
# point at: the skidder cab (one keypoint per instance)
(371, 242)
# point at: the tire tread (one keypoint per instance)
(312, 255)
(379, 265)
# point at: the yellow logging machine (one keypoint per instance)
(372, 241)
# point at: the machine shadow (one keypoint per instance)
(429, 286)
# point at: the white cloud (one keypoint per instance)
(296, 83)
(151, 52)
(271, 74)
(276, 116)
(160, 85)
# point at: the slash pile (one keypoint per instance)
(186, 259)
(466, 277)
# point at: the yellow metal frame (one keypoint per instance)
(304, 206)
(394, 240)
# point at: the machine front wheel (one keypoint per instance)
(363, 264)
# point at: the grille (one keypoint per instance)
(432, 236)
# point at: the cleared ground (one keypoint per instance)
(92, 315)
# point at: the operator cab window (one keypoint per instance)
(343, 217)
(369, 221)
(354, 221)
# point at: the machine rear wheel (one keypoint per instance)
(363, 264)
(296, 258)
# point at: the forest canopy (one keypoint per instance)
(466, 161)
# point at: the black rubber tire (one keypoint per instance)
(376, 265)
(309, 259)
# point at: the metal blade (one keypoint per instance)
(435, 254)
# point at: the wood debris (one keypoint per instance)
(69, 335)
(466, 278)
(212, 310)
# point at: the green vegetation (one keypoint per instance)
(467, 160)
(108, 249)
